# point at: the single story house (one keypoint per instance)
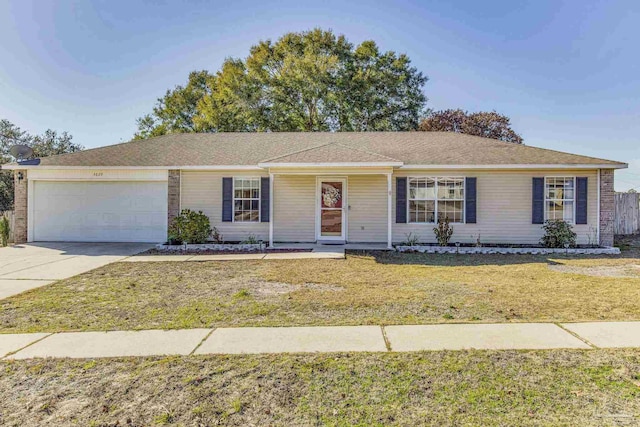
(321, 187)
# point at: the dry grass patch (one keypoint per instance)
(586, 388)
(365, 288)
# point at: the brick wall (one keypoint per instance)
(173, 209)
(20, 207)
(607, 207)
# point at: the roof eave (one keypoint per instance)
(195, 167)
(260, 166)
(523, 166)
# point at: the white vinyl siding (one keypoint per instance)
(295, 204)
(294, 208)
(202, 191)
(367, 210)
(504, 205)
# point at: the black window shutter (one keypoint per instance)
(581, 200)
(537, 212)
(470, 200)
(401, 200)
(264, 199)
(227, 199)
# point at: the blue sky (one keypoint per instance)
(566, 72)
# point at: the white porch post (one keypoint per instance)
(271, 212)
(389, 211)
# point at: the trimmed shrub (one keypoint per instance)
(557, 234)
(4, 230)
(190, 227)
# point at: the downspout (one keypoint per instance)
(389, 209)
(598, 212)
(271, 212)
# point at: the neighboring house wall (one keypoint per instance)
(607, 207)
(504, 204)
(20, 207)
(202, 191)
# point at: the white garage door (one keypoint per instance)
(99, 211)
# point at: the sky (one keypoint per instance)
(567, 73)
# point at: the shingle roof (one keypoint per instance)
(331, 153)
(250, 149)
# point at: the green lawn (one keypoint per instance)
(366, 288)
(571, 388)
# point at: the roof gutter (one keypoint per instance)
(521, 166)
(14, 166)
(261, 166)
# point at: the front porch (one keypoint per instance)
(348, 207)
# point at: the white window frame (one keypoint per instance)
(547, 200)
(436, 179)
(233, 200)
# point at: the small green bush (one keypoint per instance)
(190, 227)
(411, 239)
(557, 234)
(4, 231)
(250, 240)
(443, 232)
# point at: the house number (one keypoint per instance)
(97, 174)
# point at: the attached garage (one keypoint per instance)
(98, 211)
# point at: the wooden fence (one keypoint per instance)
(627, 213)
(10, 217)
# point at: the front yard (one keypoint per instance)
(555, 387)
(560, 387)
(366, 288)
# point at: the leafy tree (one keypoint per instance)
(47, 144)
(487, 124)
(175, 111)
(308, 81)
(233, 103)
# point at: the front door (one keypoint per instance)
(331, 213)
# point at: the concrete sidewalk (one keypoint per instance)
(331, 253)
(321, 339)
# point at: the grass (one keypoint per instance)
(366, 288)
(586, 388)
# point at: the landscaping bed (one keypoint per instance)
(508, 249)
(216, 249)
(488, 388)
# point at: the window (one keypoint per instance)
(431, 199)
(246, 199)
(559, 197)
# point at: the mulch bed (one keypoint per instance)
(213, 252)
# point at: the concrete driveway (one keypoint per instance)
(28, 266)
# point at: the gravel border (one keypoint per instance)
(506, 250)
